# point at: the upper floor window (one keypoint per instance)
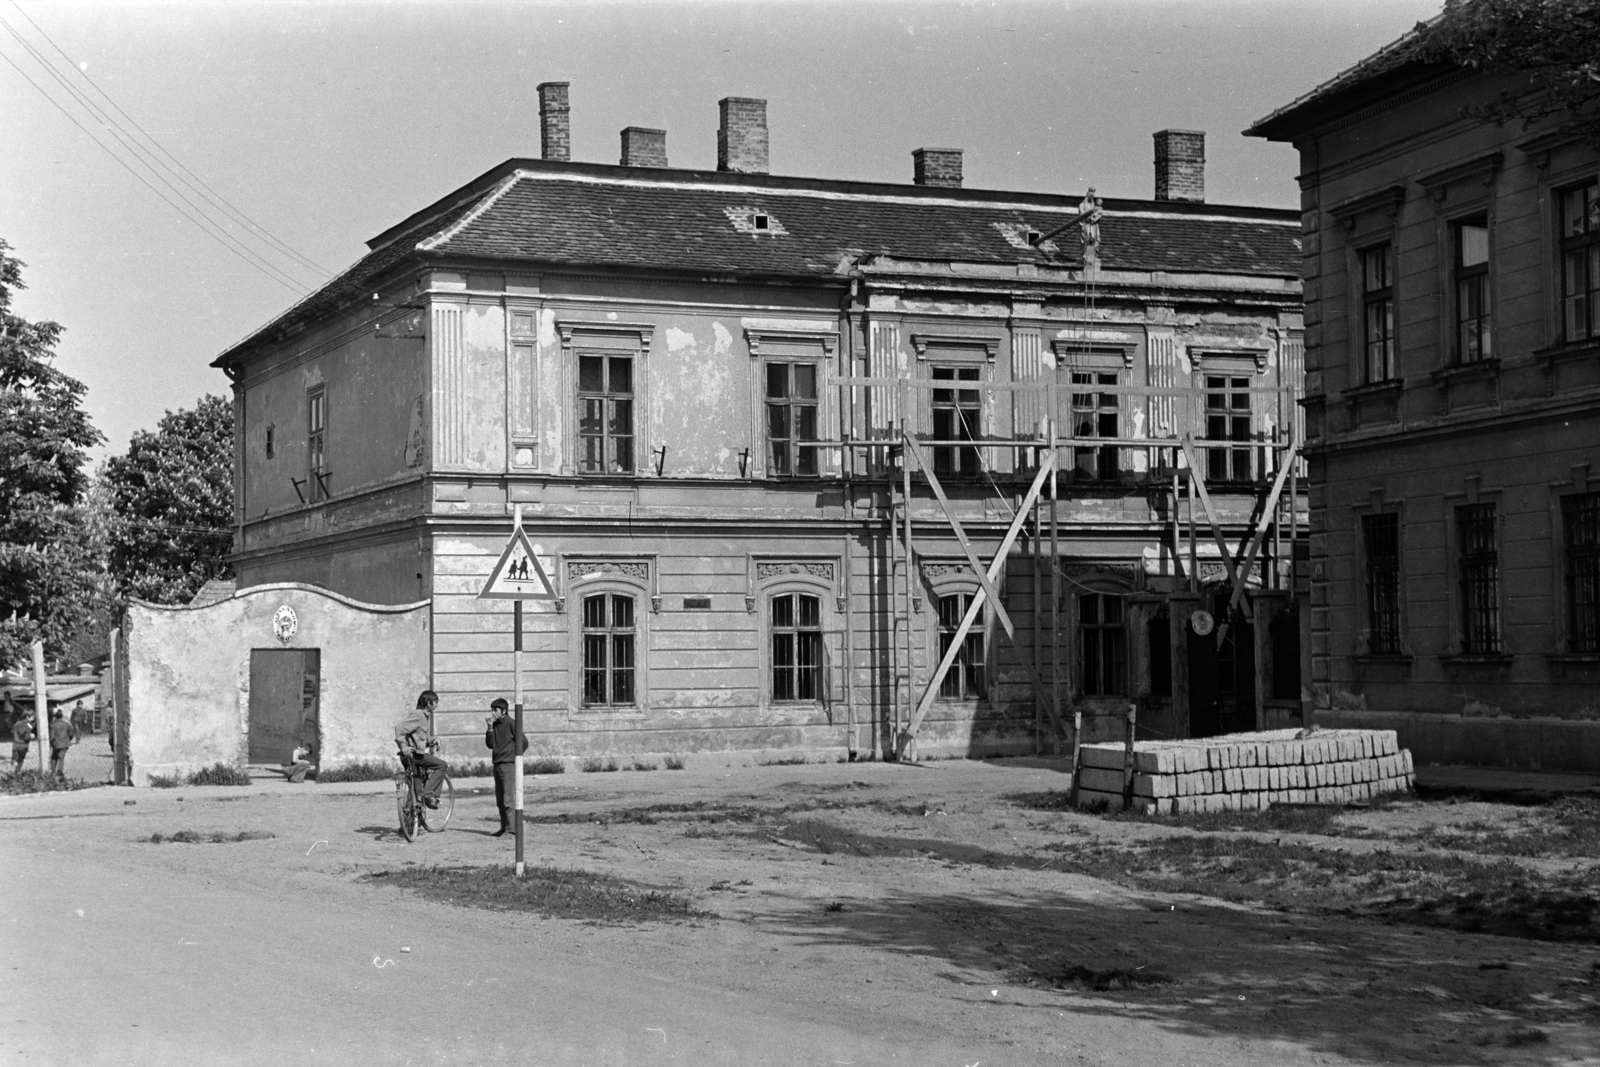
(791, 418)
(605, 414)
(608, 650)
(1479, 565)
(956, 417)
(1581, 521)
(964, 680)
(1580, 262)
(1095, 415)
(316, 441)
(796, 647)
(1104, 642)
(1380, 535)
(1377, 295)
(1228, 419)
(1473, 334)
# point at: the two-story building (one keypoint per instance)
(714, 397)
(1453, 414)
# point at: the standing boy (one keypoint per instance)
(501, 739)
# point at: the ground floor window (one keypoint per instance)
(796, 647)
(1581, 518)
(964, 680)
(1103, 644)
(608, 650)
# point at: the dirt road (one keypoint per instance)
(854, 914)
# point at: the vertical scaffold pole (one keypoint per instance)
(1055, 584)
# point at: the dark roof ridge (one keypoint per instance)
(491, 179)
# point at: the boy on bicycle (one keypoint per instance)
(414, 735)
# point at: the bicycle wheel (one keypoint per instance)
(436, 819)
(406, 801)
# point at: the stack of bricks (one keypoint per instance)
(1248, 772)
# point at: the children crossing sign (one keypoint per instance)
(519, 575)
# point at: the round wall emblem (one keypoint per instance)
(1202, 622)
(284, 623)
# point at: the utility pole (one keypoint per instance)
(41, 702)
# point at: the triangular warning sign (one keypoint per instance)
(519, 575)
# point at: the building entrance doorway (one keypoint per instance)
(284, 694)
(1222, 677)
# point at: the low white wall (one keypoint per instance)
(189, 674)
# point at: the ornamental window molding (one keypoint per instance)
(638, 334)
(989, 344)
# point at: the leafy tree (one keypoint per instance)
(171, 504)
(48, 565)
(1554, 43)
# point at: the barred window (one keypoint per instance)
(608, 650)
(1228, 419)
(964, 680)
(1580, 262)
(605, 414)
(957, 415)
(1377, 291)
(1480, 578)
(1581, 522)
(791, 418)
(1103, 643)
(1473, 334)
(796, 647)
(1095, 415)
(1381, 537)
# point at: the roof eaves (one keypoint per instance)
(1389, 59)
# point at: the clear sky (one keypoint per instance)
(325, 123)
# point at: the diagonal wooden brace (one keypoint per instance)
(960, 636)
(1259, 537)
(1235, 578)
(961, 536)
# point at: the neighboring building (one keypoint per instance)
(693, 385)
(1453, 415)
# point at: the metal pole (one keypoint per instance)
(911, 570)
(41, 702)
(516, 673)
(1055, 586)
(1038, 590)
(849, 644)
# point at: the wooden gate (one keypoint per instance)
(283, 701)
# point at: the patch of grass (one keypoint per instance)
(545, 766)
(1496, 896)
(24, 782)
(549, 891)
(165, 781)
(676, 762)
(478, 769)
(783, 761)
(642, 765)
(1115, 978)
(220, 774)
(361, 771)
(595, 763)
(191, 837)
(1565, 826)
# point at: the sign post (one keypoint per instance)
(518, 576)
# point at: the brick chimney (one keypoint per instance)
(937, 166)
(555, 135)
(1181, 165)
(742, 135)
(644, 148)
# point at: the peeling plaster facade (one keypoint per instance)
(187, 675)
(452, 399)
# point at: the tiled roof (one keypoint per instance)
(591, 216)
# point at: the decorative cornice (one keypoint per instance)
(766, 571)
(756, 336)
(1387, 199)
(568, 328)
(990, 344)
(1482, 168)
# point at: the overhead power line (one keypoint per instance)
(200, 214)
(216, 197)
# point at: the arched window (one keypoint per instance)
(964, 680)
(608, 650)
(796, 647)
(1103, 644)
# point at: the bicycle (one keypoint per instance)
(410, 784)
